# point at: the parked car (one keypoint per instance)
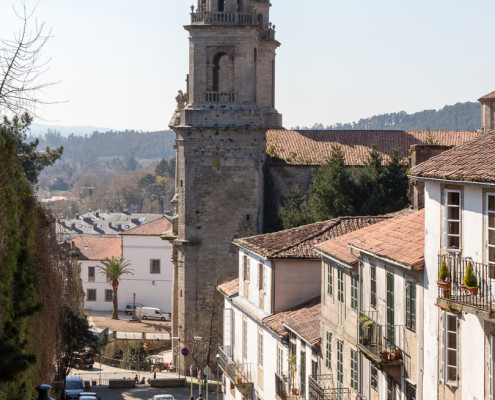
(163, 397)
(129, 307)
(73, 385)
(84, 359)
(158, 364)
(152, 313)
(88, 396)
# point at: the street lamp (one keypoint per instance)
(218, 380)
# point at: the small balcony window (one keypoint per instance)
(452, 220)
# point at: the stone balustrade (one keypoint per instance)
(224, 18)
(220, 97)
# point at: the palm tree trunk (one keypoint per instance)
(115, 288)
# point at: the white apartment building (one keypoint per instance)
(459, 345)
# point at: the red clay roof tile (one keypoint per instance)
(96, 248)
(153, 228)
(229, 288)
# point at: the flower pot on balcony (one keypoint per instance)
(239, 380)
(391, 356)
(385, 355)
(446, 287)
(295, 391)
(470, 290)
(365, 340)
(398, 354)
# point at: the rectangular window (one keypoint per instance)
(154, 266)
(374, 377)
(411, 306)
(390, 309)
(354, 292)
(340, 364)
(246, 268)
(450, 348)
(108, 295)
(244, 339)
(260, 277)
(373, 285)
(91, 295)
(490, 232)
(314, 367)
(280, 361)
(328, 355)
(302, 375)
(410, 391)
(329, 279)
(452, 220)
(354, 369)
(260, 349)
(91, 274)
(340, 286)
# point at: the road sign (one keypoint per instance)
(185, 351)
(208, 372)
(176, 349)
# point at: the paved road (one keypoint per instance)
(146, 393)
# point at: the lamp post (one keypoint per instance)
(200, 339)
(218, 378)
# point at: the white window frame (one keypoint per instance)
(244, 339)
(91, 277)
(488, 229)
(447, 220)
(260, 349)
(354, 292)
(329, 279)
(446, 350)
(328, 351)
(354, 370)
(280, 362)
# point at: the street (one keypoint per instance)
(146, 393)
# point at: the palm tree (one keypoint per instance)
(114, 268)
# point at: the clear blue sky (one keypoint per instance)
(121, 62)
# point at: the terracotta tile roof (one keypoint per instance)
(314, 147)
(489, 96)
(96, 248)
(471, 161)
(400, 239)
(229, 288)
(304, 319)
(299, 242)
(154, 228)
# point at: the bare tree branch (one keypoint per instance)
(21, 66)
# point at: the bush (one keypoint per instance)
(470, 279)
(444, 273)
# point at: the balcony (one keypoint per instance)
(220, 97)
(241, 374)
(453, 295)
(321, 387)
(281, 387)
(223, 18)
(382, 344)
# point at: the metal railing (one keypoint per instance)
(384, 342)
(220, 97)
(238, 372)
(224, 18)
(281, 386)
(480, 297)
(321, 387)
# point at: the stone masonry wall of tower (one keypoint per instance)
(220, 131)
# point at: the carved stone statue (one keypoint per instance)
(182, 100)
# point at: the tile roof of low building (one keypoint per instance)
(230, 288)
(153, 228)
(96, 248)
(473, 161)
(304, 319)
(298, 243)
(314, 147)
(489, 96)
(399, 239)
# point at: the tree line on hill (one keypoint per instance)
(457, 117)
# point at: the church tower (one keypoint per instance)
(220, 126)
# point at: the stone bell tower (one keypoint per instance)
(220, 126)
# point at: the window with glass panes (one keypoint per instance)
(244, 339)
(373, 285)
(354, 293)
(411, 306)
(302, 375)
(354, 375)
(329, 279)
(340, 364)
(374, 377)
(340, 285)
(450, 348)
(490, 234)
(452, 220)
(328, 358)
(280, 361)
(410, 391)
(260, 349)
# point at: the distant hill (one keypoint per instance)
(459, 117)
(41, 129)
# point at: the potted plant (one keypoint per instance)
(385, 354)
(398, 354)
(470, 283)
(366, 329)
(293, 373)
(442, 282)
(239, 380)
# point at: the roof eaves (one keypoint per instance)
(336, 259)
(381, 257)
(442, 180)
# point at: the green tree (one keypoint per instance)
(136, 357)
(114, 269)
(371, 190)
(294, 211)
(332, 192)
(395, 184)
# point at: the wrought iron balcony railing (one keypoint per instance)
(281, 386)
(382, 344)
(239, 373)
(453, 290)
(321, 387)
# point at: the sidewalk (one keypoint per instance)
(99, 320)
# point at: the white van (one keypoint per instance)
(152, 313)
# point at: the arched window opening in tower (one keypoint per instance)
(222, 79)
(221, 5)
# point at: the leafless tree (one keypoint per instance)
(21, 66)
